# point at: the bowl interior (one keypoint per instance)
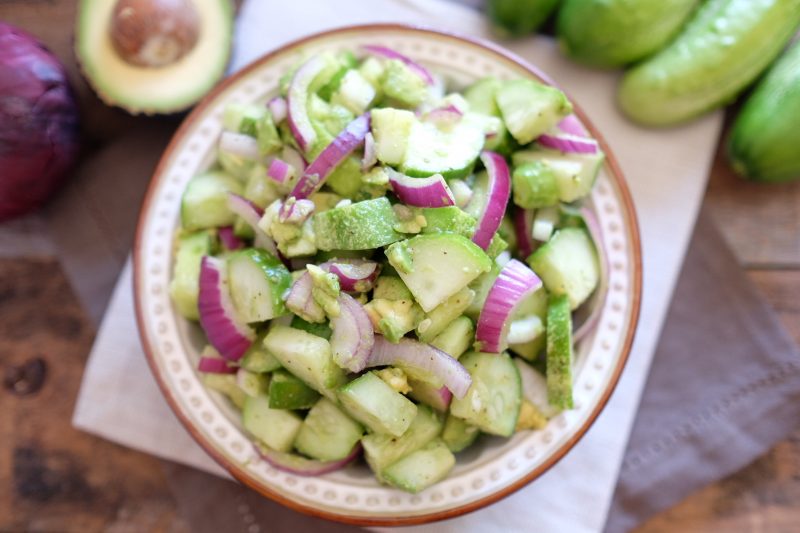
(489, 470)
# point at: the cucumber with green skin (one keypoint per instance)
(765, 140)
(611, 33)
(722, 49)
(515, 18)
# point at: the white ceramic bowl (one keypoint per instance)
(486, 472)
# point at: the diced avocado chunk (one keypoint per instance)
(493, 400)
(391, 288)
(288, 392)
(458, 434)
(205, 201)
(559, 352)
(456, 338)
(403, 84)
(395, 378)
(481, 98)
(534, 185)
(226, 384)
(345, 180)
(258, 359)
(530, 417)
(327, 433)
(375, 404)
(258, 281)
(184, 287)
(320, 330)
(422, 468)
(391, 128)
(252, 383)
(568, 265)
(307, 356)
(530, 108)
(393, 318)
(277, 428)
(574, 174)
(442, 315)
(448, 220)
(434, 267)
(358, 226)
(381, 450)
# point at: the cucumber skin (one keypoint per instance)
(722, 49)
(516, 18)
(612, 33)
(765, 137)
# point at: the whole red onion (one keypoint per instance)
(38, 123)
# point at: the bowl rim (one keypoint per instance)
(237, 472)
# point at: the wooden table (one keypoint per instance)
(55, 478)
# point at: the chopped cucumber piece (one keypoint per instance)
(442, 315)
(358, 226)
(436, 266)
(184, 287)
(375, 404)
(530, 108)
(535, 185)
(403, 84)
(327, 434)
(422, 468)
(258, 281)
(568, 264)
(559, 352)
(381, 450)
(544, 223)
(242, 118)
(574, 174)
(492, 402)
(345, 180)
(354, 92)
(458, 434)
(276, 428)
(252, 383)
(226, 384)
(390, 288)
(288, 392)
(320, 330)
(481, 98)
(258, 359)
(482, 285)
(205, 201)
(391, 129)
(306, 356)
(451, 153)
(456, 338)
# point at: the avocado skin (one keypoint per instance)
(515, 18)
(765, 139)
(612, 33)
(722, 49)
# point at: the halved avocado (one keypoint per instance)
(153, 56)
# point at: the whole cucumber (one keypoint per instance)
(723, 48)
(765, 140)
(611, 33)
(515, 18)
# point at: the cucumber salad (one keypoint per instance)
(387, 266)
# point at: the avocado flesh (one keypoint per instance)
(149, 91)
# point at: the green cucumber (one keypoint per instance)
(458, 434)
(226, 384)
(493, 400)
(422, 468)
(184, 287)
(257, 283)
(515, 18)
(530, 108)
(307, 356)
(391, 128)
(568, 264)
(390, 288)
(354, 92)
(358, 226)
(252, 383)
(320, 330)
(258, 359)
(574, 174)
(722, 49)
(480, 97)
(327, 434)
(559, 352)
(456, 338)
(423, 261)
(482, 285)
(288, 392)
(403, 85)
(443, 314)
(205, 201)
(612, 33)
(375, 404)
(345, 180)
(764, 140)
(277, 428)
(381, 450)
(451, 153)
(534, 185)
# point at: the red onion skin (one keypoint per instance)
(496, 203)
(212, 365)
(39, 123)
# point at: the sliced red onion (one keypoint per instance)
(296, 211)
(251, 214)
(215, 365)
(514, 283)
(280, 171)
(572, 126)
(300, 301)
(388, 53)
(446, 116)
(301, 466)
(370, 158)
(421, 192)
(228, 239)
(438, 398)
(297, 102)
(337, 151)
(278, 109)
(293, 158)
(422, 357)
(353, 336)
(498, 191)
(570, 144)
(593, 225)
(355, 275)
(239, 144)
(225, 330)
(523, 228)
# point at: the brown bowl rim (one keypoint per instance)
(235, 470)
